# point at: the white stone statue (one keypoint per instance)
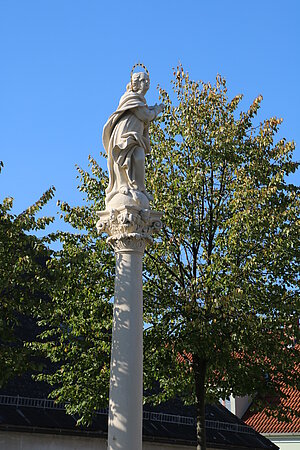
(130, 225)
(126, 141)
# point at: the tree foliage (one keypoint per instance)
(77, 321)
(24, 282)
(223, 278)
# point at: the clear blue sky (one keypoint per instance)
(65, 64)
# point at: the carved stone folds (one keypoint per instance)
(129, 227)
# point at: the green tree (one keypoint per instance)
(222, 281)
(24, 282)
(77, 320)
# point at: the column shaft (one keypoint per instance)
(126, 385)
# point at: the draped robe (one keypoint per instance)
(125, 133)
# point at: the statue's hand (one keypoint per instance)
(160, 108)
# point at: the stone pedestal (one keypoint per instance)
(130, 229)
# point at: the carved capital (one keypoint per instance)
(129, 227)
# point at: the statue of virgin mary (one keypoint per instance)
(126, 141)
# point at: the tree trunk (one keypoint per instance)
(200, 372)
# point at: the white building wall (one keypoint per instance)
(11, 440)
(239, 405)
(288, 441)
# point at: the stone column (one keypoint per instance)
(130, 230)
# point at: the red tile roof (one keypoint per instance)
(261, 422)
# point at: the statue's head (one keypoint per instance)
(140, 81)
